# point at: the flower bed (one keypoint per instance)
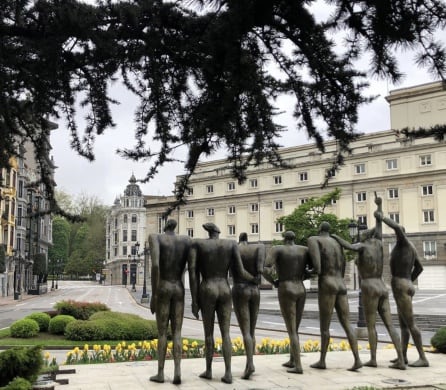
(147, 350)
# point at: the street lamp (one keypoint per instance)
(145, 297)
(52, 272)
(355, 229)
(133, 269)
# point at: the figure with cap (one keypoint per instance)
(246, 297)
(210, 261)
(286, 267)
(169, 254)
(329, 263)
(375, 297)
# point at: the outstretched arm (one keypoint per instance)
(397, 228)
(193, 279)
(260, 260)
(155, 255)
(269, 269)
(237, 264)
(315, 254)
(345, 244)
(378, 218)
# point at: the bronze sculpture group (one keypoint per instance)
(211, 261)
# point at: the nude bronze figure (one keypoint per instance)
(290, 262)
(246, 297)
(328, 261)
(210, 261)
(169, 254)
(375, 297)
(405, 267)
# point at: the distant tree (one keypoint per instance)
(305, 220)
(203, 72)
(61, 240)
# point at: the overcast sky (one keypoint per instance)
(107, 176)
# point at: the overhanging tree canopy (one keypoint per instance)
(201, 71)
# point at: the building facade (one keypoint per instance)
(126, 226)
(409, 175)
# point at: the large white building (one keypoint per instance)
(410, 176)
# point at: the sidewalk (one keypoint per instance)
(269, 374)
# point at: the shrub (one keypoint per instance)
(112, 326)
(42, 319)
(438, 340)
(80, 310)
(20, 362)
(84, 331)
(18, 384)
(24, 328)
(59, 323)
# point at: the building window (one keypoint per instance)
(161, 223)
(360, 169)
(231, 186)
(395, 217)
(189, 191)
(362, 220)
(361, 196)
(392, 164)
(428, 216)
(303, 200)
(115, 252)
(210, 188)
(278, 205)
(124, 251)
(124, 236)
(430, 250)
(134, 236)
(254, 228)
(190, 232)
(134, 218)
(425, 160)
(190, 213)
(210, 212)
(254, 207)
(331, 172)
(427, 190)
(116, 239)
(393, 193)
(303, 176)
(279, 227)
(231, 230)
(125, 219)
(253, 183)
(231, 209)
(116, 223)
(277, 179)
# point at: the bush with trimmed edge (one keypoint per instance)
(125, 326)
(59, 323)
(43, 319)
(80, 310)
(438, 340)
(20, 362)
(24, 328)
(80, 330)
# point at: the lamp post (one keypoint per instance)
(52, 271)
(135, 255)
(355, 229)
(145, 297)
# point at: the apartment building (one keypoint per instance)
(126, 235)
